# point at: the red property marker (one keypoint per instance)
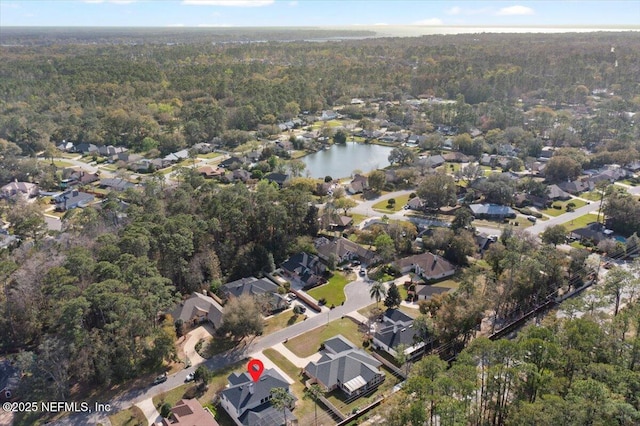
(255, 368)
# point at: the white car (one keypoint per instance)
(190, 377)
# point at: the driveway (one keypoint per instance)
(149, 411)
(193, 337)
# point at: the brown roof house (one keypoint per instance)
(358, 184)
(426, 265)
(197, 309)
(189, 412)
(344, 250)
(13, 188)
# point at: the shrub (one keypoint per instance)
(412, 195)
(557, 206)
(322, 301)
(165, 410)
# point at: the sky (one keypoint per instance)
(258, 13)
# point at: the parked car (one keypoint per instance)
(293, 296)
(363, 272)
(190, 377)
(160, 379)
(532, 219)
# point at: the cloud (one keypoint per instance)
(293, 3)
(455, 10)
(515, 10)
(110, 1)
(432, 21)
(380, 24)
(229, 3)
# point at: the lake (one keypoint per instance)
(341, 160)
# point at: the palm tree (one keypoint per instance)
(281, 399)
(314, 392)
(377, 291)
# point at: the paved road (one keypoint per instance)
(567, 217)
(357, 293)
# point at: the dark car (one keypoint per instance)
(160, 379)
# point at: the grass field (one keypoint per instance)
(593, 195)
(61, 163)
(132, 416)
(309, 343)
(209, 155)
(563, 204)
(281, 320)
(357, 218)
(333, 291)
(448, 284)
(580, 222)
(400, 202)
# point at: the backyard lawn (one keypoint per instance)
(593, 195)
(209, 155)
(304, 406)
(400, 202)
(563, 207)
(62, 163)
(309, 343)
(357, 218)
(448, 284)
(281, 320)
(333, 291)
(580, 222)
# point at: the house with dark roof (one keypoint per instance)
(248, 403)
(593, 232)
(210, 171)
(397, 329)
(554, 192)
(491, 211)
(577, 186)
(231, 161)
(304, 269)
(72, 199)
(262, 288)
(115, 184)
(426, 292)
(86, 148)
(197, 309)
(343, 366)
(279, 178)
(344, 250)
(426, 265)
(456, 157)
(189, 412)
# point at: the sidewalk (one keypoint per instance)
(149, 411)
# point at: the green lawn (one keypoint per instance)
(61, 163)
(593, 195)
(209, 155)
(563, 207)
(448, 284)
(580, 222)
(132, 416)
(281, 320)
(309, 343)
(333, 291)
(358, 218)
(400, 203)
(412, 312)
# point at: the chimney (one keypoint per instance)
(251, 388)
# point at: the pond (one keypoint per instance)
(340, 161)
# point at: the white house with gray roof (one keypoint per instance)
(249, 403)
(344, 366)
(397, 329)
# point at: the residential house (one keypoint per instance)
(202, 148)
(456, 157)
(189, 412)
(112, 152)
(65, 146)
(197, 309)
(397, 329)
(174, 157)
(343, 366)
(415, 203)
(358, 184)
(262, 288)
(9, 380)
(231, 162)
(241, 175)
(554, 192)
(416, 139)
(210, 171)
(336, 222)
(329, 115)
(86, 148)
(577, 186)
(115, 184)
(492, 211)
(72, 199)
(248, 403)
(426, 265)
(343, 250)
(426, 292)
(434, 161)
(593, 232)
(13, 188)
(304, 269)
(609, 175)
(279, 178)
(484, 241)
(77, 177)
